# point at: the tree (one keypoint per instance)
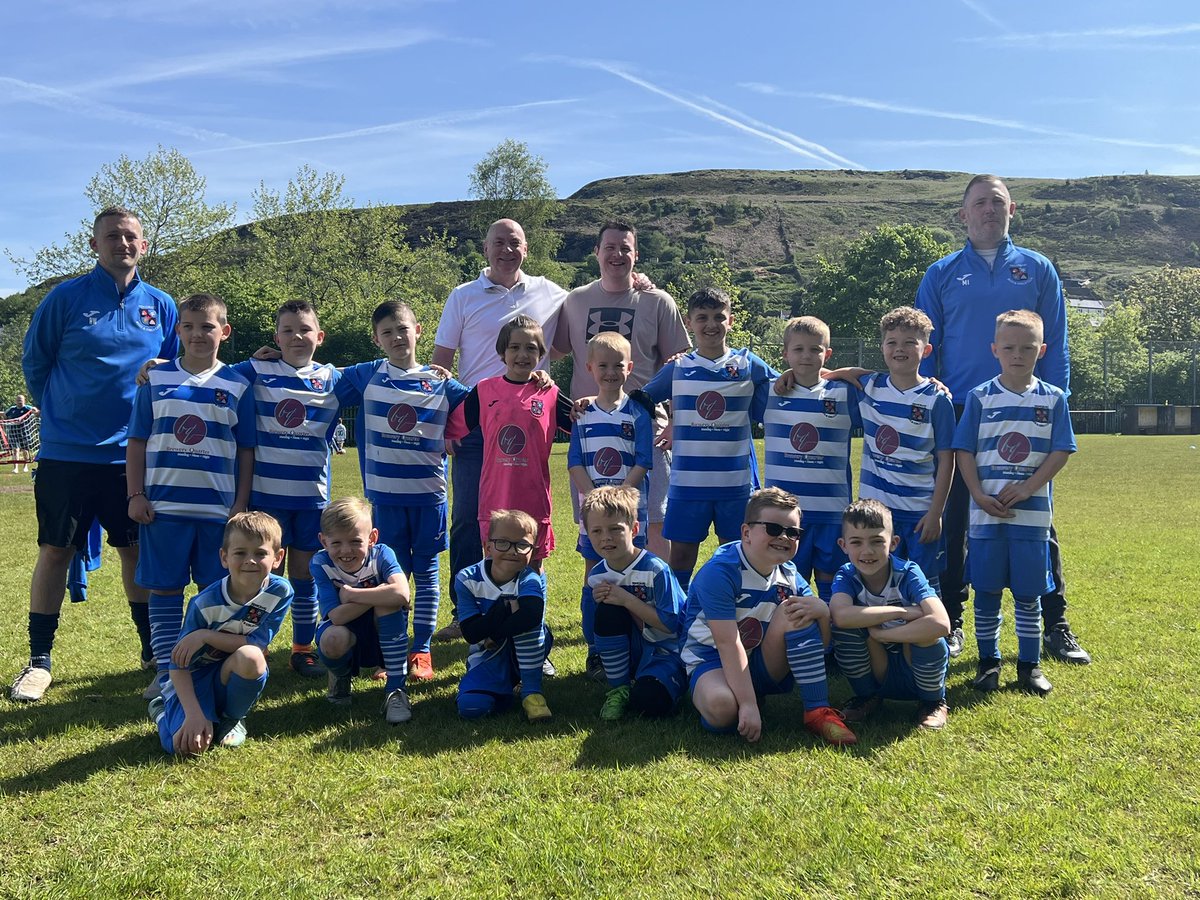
(168, 195)
(1169, 302)
(511, 183)
(877, 272)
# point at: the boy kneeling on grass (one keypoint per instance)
(218, 666)
(890, 627)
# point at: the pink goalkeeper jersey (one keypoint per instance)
(518, 422)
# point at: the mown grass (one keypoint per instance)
(1094, 791)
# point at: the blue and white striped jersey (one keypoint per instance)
(902, 434)
(380, 565)
(807, 447)
(475, 592)
(906, 586)
(193, 426)
(1011, 435)
(610, 443)
(650, 580)
(727, 588)
(401, 430)
(713, 403)
(296, 411)
(257, 620)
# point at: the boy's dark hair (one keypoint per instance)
(709, 298)
(202, 303)
(867, 514)
(769, 498)
(296, 307)
(525, 323)
(616, 225)
(397, 309)
(906, 317)
(611, 500)
(114, 212)
(806, 325)
(254, 524)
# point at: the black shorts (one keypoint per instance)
(69, 495)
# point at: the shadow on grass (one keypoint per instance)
(131, 751)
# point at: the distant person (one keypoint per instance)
(338, 444)
(84, 346)
(219, 664)
(1014, 437)
(18, 435)
(962, 294)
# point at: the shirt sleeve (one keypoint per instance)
(456, 392)
(464, 418)
(659, 387)
(669, 598)
(943, 422)
(168, 317)
(328, 598)
(349, 388)
(575, 449)
(466, 604)
(388, 564)
(672, 334)
(192, 621)
(562, 412)
(266, 630)
(764, 376)
(246, 430)
(643, 438)
(966, 435)
(929, 302)
(1055, 366)
(914, 586)
(141, 422)
(41, 344)
(844, 581)
(716, 588)
(1062, 434)
(450, 325)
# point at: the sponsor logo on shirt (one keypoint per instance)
(803, 437)
(290, 413)
(1013, 447)
(402, 418)
(710, 406)
(609, 318)
(751, 631)
(189, 430)
(887, 440)
(511, 440)
(607, 462)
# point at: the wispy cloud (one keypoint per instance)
(1112, 37)
(438, 120)
(739, 121)
(973, 118)
(980, 10)
(15, 90)
(230, 61)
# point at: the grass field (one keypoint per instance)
(1093, 791)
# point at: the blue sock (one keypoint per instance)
(853, 658)
(587, 611)
(393, 645)
(1028, 617)
(338, 665)
(166, 618)
(806, 657)
(684, 577)
(713, 729)
(140, 613)
(241, 694)
(929, 670)
(987, 624)
(531, 653)
(426, 594)
(304, 612)
(42, 627)
(614, 652)
(825, 590)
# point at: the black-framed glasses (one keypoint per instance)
(504, 545)
(774, 529)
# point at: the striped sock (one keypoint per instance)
(393, 646)
(987, 624)
(166, 618)
(1027, 613)
(806, 657)
(929, 670)
(531, 652)
(426, 594)
(614, 652)
(304, 611)
(853, 658)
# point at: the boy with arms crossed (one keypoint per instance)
(500, 603)
(189, 465)
(715, 394)
(1014, 436)
(754, 628)
(638, 608)
(219, 664)
(889, 625)
(363, 594)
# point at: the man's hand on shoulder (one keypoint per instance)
(143, 375)
(641, 282)
(267, 353)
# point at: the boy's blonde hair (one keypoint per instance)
(610, 340)
(612, 500)
(1024, 318)
(203, 303)
(345, 514)
(769, 498)
(908, 318)
(525, 323)
(517, 517)
(255, 524)
(868, 514)
(806, 325)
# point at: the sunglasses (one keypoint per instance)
(774, 529)
(504, 545)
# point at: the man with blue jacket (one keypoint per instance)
(85, 344)
(962, 294)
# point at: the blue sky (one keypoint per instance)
(403, 98)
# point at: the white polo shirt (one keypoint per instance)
(475, 312)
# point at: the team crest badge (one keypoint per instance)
(426, 387)
(369, 582)
(829, 408)
(918, 414)
(537, 407)
(316, 384)
(253, 615)
(782, 592)
(1018, 273)
(1041, 415)
(149, 319)
(732, 372)
(627, 430)
(221, 398)
(639, 591)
